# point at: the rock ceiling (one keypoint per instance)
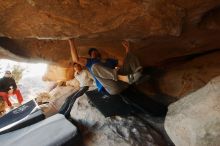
(157, 29)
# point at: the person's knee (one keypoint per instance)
(95, 69)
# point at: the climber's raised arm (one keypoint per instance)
(75, 57)
(126, 45)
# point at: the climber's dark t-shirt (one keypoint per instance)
(5, 84)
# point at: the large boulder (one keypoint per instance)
(160, 29)
(85, 114)
(112, 131)
(195, 119)
(123, 131)
(57, 19)
(157, 29)
(58, 73)
(183, 77)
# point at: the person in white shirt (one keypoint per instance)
(83, 76)
(66, 88)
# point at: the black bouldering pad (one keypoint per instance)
(68, 104)
(109, 105)
(25, 115)
(143, 102)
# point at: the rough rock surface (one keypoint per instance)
(158, 29)
(185, 77)
(112, 131)
(161, 28)
(195, 119)
(123, 131)
(57, 19)
(162, 34)
(86, 114)
(181, 76)
(58, 73)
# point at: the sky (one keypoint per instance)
(31, 82)
(31, 69)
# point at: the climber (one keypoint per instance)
(9, 88)
(83, 76)
(111, 78)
